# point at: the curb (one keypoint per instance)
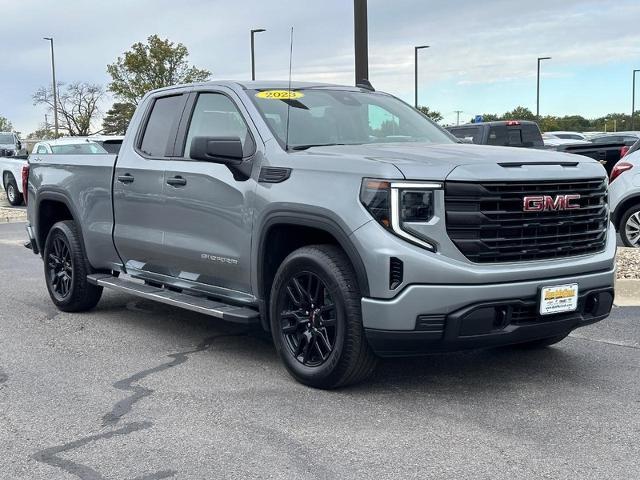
(627, 292)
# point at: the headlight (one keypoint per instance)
(396, 204)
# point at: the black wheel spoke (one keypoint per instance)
(308, 319)
(60, 267)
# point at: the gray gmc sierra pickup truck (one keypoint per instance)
(338, 218)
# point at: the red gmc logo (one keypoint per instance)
(541, 203)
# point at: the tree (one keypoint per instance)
(117, 119)
(5, 124)
(77, 106)
(156, 64)
(432, 114)
(487, 117)
(43, 132)
(519, 113)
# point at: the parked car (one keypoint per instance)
(10, 144)
(567, 135)
(68, 146)
(552, 142)
(624, 194)
(608, 154)
(338, 218)
(625, 138)
(12, 177)
(511, 133)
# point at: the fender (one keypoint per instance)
(60, 196)
(305, 216)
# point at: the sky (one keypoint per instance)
(482, 56)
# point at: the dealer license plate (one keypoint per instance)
(559, 299)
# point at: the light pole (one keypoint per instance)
(416, 71)
(457, 112)
(253, 54)
(633, 100)
(538, 89)
(361, 40)
(55, 87)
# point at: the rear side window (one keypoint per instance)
(161, 125)
(473, 133)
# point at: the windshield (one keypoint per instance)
(337, 117)
(7, 138)
(77, 149)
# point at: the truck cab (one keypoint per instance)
(508, 133)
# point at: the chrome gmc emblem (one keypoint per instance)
(541, 203)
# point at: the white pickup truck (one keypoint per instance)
(11, 168)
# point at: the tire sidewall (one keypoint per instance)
(297, 263)
(623, 223)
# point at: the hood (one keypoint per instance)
(421, 161)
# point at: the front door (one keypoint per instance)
(138, 197)
(208, 212)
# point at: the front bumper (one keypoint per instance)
(428, 318)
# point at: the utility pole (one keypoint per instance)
(458, 112)
(415, 76)
(633, 100)
(538, 88)
(55, 87)
(253, 55)
(361, 40)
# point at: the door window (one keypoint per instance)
(215, 115)
(156, 141)
(42, 150)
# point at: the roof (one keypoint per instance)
(263, 85)
(499, 122)
(66, 141)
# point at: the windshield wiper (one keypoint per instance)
(305, 147)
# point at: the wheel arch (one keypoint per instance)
(616, 215)
(276, 226)
(53, 207)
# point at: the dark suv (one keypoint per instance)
(510, 133)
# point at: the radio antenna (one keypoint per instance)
(286, 144)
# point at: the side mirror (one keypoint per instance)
(19, 145)
(224, 150)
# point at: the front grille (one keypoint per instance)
(487, 223)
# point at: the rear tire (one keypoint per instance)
(543, 342)
(316, 322)
(14, 197)
(629, 227)
(66, 268)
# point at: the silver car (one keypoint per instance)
(624, 195)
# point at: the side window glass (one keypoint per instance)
(215, 115)
(164, 115)
(42, 150)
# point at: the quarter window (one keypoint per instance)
(215, 115)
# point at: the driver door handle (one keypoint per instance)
(177, 181)
(126, 178)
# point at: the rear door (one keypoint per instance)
(138, 201)
(208, 213)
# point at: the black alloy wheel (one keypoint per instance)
(60, 268)
(308, 319)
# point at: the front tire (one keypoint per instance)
(316, 322)
(629, 227)
(14, 197)
(66, 268)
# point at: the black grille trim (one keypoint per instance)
(487, 224)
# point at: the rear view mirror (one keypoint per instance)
(224, 150)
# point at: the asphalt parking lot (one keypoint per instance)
(135, 390)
